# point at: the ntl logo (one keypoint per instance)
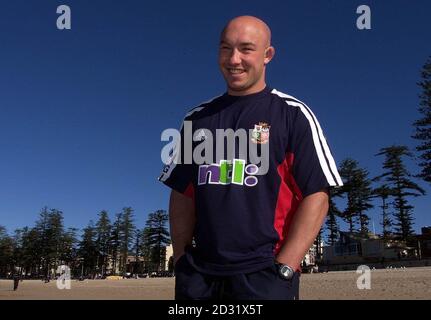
(228, 172)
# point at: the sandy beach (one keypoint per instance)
(411, 283)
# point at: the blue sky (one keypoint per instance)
(82, 110)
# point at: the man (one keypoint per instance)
(16, 279)
(237, 233)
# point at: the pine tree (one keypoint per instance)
(115, 241)
(146, 248)
(31, 250)
(88, 250)
(69, 251)
(56, 231)
(18, 251)
(137, 250)
(51, 231)
(331, 221)
(347, 167)
(396, 177)
(364, 196)
(6, 252)
(157, 237)
(383, 192)
(42, 228)
(127, 228)
(103, 233)
(423, 125)
(357, 188)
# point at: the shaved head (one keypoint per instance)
(251, 23)
(245, 50)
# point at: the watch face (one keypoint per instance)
(286, 272)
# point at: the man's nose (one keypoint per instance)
(235, 57)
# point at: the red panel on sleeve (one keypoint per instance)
(289, 197)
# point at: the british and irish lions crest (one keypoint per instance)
(260, 134)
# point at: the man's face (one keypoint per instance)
(244, 51)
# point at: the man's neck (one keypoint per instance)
(246, 92)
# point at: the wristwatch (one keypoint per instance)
(286, 272)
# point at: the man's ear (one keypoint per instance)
(269, 54)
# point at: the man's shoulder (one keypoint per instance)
(288, 99)
(298, 113)
(201, 107)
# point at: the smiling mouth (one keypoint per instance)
(235, 71)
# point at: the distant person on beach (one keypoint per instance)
(239, 229)
(16, 279)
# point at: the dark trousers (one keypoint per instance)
(264, 284)
(15, 283)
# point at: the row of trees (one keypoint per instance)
(392, 188)
(102, 247)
